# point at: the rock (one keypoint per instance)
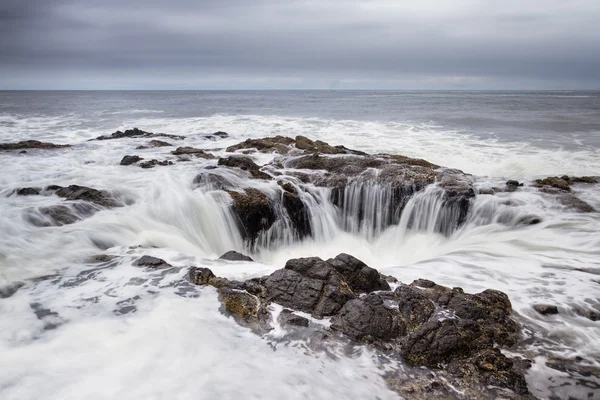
(151, 262)
(297, 212)
(574, 203)
(367, 319)
(265, 145)
(199, 153)
(61, 214)
(158, 143)
(254, 212)
(28, 191)
(546, 309)
(136, 133)
(287, 318)
(592, 315)
(245, 308)
(152, 163)
(213, 181)
(555, 182)
(31, 144)
(90, 195)
(128, 160)
(583, 179)
(8, 290)
(235, 256)
(244, 163)
(217, 135)
(512, 185)
(414, 307)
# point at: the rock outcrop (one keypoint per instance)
(31, 144)
(427, 325)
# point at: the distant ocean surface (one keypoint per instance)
(74, 329)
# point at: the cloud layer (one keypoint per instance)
(191, 44)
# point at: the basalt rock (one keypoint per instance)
(546, 309)
(31, 144)
(128, 160)
(555, 182)
(244, 163)
(153, 163)
(428, 325)
(137, 133)
(151, 262)
(87, 194)
(235, 256)
(198, 153)
(254, 212)
(285, 145)
(158, 143)
(28, 191)
(59, 215)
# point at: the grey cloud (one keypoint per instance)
(271, 43)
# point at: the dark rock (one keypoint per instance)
(414, 307)
(254, 212)
(90, 195)
(136, 133)
(204, 276)
(213, 181)
(198, 153)
(61, 214)
(280, 144)
(360, 277)
(235, 256)
(297, 212)
(153, 163)
(513, 183)
(244, 163)
(583, 179)
(31, 144)
(367, 319)
(151, 262)
(291, 289)
(10, 289)
(245, 308)
(546, 309)
(128, 160)
(158, 143)
(555, 182)
(288, 318)
(27, 191)
(592, 315)
(216, 135)
(141, 147)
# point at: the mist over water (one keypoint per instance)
(76, 329)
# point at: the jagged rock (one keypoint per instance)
(427, 324)
(367, 318)
(151, 262)
(546, 309)
(28, 191)
(158, 143)
(31, 144)
(217, 135)
(136, 133)
(286, 145)
(297, 212)
(128, 160)
(322, 287)
(235, 256)
(244, 163)
(213, 181)
(254, 212)
(555, 182)
(288, 318)
(199, 153)
(153, 163)
(579, 179)
(265, 145)
(90, 195)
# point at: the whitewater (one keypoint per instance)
(71, 328)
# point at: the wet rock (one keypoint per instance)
(128, 160)
(512, 185)
(244, 163)
(579, 179)
(297, 212)
(287, 318)
(574, 203)
(87, 194)
(592, 315)
(204, 276)
(217, 135)
(158, 143)
(546, 309)
(198, 153)
(27, 191)
(245, 308)
(280, 144)
(235, 256)
(61, 214)
(136, 133)
(10, 289)
(153, 163)
(555, 182)
(31, 144)
(414, 307)
(367, 318)
(213, 181)
(254, 212)
(151, 262)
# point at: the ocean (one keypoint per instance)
(62, 335)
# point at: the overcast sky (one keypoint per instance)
(296, 44)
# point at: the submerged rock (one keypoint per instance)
(244, 163)
(199, 153)
(546, 309)
(59, 215)
(158, 143)
(28, 191)
(151, 262)
(87, 194)
(235, 256)
(555, 182)
(31, 144)
(153, 163)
